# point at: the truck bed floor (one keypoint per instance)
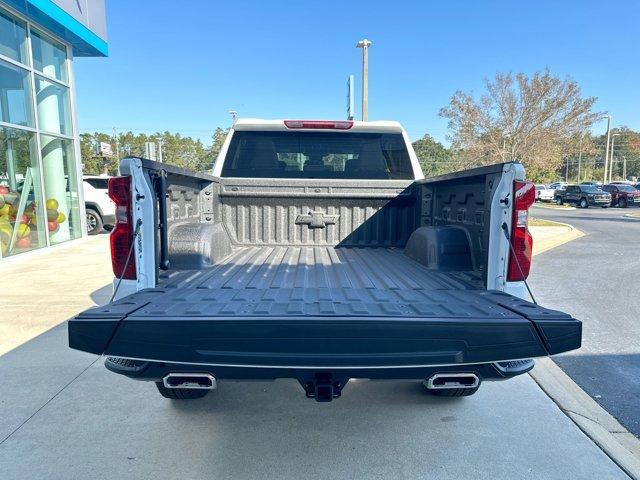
(281, 280)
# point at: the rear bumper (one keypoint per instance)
(508, 328)
(156, 371)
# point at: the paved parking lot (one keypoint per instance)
(63, 415)
(105, 426)
(596, 279)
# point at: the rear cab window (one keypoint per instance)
(330, 155)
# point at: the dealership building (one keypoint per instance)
(41, 200)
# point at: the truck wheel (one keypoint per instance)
(622, 202)
(94, 222)
(584, 203)
(453, 392)
(559, 200)
(180, 393)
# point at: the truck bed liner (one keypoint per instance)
(313, 281)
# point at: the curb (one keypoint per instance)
(553, 242)
(630, 216)
(604, 430)
(595, 422)
(549, 207)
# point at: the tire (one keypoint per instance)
(180, 393)
(559, 201)
(622, 202)
(94, 222)
(453, 392)
(584, 203)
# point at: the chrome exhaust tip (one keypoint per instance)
(196, 381)
(452, 380)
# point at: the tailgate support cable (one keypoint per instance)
(505, 229)
(126, 263)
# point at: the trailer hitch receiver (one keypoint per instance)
(323, 387)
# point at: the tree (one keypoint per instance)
(534, 120)
(434, 157)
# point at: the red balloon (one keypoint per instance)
(24, 242)
(52, 226)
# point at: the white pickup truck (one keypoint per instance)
(316, 250)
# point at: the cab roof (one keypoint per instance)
(382, 126)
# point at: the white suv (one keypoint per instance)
(101, 211)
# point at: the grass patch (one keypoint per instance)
(539, 222)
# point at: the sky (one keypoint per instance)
(181, 66)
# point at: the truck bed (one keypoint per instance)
(322, 280)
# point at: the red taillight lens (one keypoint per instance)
(320, 124)
(121, 237)
(524, 194)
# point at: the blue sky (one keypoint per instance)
(182, 69)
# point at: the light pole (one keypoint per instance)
(580, 156)
(613, 139)
(364, 45)
(606, 153)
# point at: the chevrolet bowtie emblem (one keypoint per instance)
(316, 219)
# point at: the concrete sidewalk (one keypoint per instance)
(63, 415)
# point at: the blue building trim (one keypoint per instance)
(84, 42)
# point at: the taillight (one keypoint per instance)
(319, 124)
(121, 237)
(524, 194)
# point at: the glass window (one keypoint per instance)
(15, 99)
(22, 219)
(60, 186)
(317, 155)
(48, 56)
(53, 107)
(13, 38)
(98, 183)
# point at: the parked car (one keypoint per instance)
(544, 194)
(622, 195)
(100, 209)
(583, 196)
(591, 182)
(318, 251)
(557, 185)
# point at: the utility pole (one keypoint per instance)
(624, 168)
(364, 45)
(606, 153)
(566, 171)
(115, 137)
(580, 156)
(613, 139)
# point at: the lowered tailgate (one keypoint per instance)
(322, 327)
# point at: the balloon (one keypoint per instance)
(52, 214)
(52, 226)
(24, 242)
(23, 230)
(61, 218)
(52, 204)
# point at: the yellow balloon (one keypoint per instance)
(23, 230)
(61, 218)
(52, 204)
(6, 209)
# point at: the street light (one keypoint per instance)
(613, 139)
(364, 45)
(580, 155)
(606, 153)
